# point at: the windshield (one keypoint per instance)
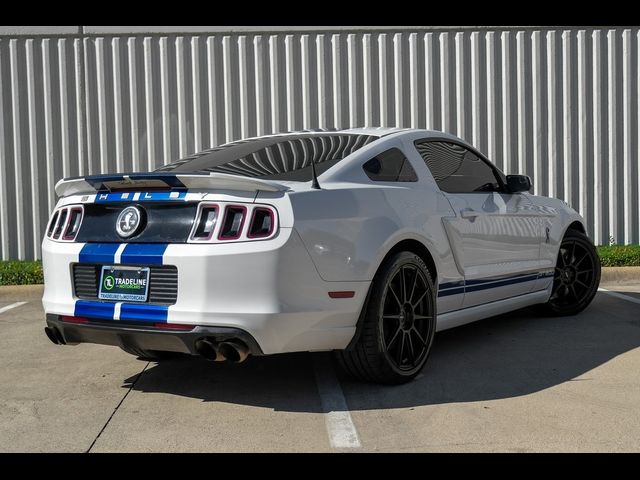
(282, 157)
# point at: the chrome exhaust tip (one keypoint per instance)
(235, 351)
(51, 335)
(208, 349)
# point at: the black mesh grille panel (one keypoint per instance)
(163, 283)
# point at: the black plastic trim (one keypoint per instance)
(144, 337)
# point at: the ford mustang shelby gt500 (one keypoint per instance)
(363, 241)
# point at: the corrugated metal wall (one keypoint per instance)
(559, 105)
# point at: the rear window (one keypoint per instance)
(283, 157)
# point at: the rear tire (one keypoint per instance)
(149, 355)
(399, 320)
(576, 278)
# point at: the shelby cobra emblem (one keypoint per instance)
(128, 221)
(363, 241)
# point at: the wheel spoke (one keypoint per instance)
(581, 260)
(561, 255)
(415, 305)
(413, 288)
(393, 339)
(413, 355)
(422, 317)
(573, 253)
(391, 317)
(395, 296)
(403, 285)
(580, 272)
(399, 356)
(582, 283)
(415, 330)
(575, 294)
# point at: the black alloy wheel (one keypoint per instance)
(406, 318)
(397, 323)
(576, 277)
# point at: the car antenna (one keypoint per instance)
(314, 176)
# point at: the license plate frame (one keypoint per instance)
(115, 290)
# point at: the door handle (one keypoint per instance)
(468, 213)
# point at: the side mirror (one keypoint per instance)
(518, 183)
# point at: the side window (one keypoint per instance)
(456, 169)
(390, 166)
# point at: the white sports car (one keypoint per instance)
(363, 241)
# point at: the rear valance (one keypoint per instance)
(161, 180)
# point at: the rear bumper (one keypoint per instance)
(269, 289)
(145, 337)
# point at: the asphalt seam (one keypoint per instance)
(133, 384)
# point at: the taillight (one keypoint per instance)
(232, 223)
(262, 223)
(65, 223)
(206, 220)
(223, 222)
(62, 221)
(52, 223)
(73, 224)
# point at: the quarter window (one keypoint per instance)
(456, 169)
(390, 166)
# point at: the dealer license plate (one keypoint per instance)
(129, 284)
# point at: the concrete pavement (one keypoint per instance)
(517, 382)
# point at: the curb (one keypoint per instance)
(620, 275)
(21, 292)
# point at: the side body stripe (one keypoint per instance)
(462, 286)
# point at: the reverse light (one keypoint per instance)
(73, 223)
(205, 221)
(233, 222)
(261, 224)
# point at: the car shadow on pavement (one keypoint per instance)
(506, 356)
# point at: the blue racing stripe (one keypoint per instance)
(502, 283)
(450, 291)
(143, 312)
(460, 287)
(98, 253)
(85, 308)
(143, 253)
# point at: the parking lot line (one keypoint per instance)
(619, 295)
(9, 307)
(340, 428)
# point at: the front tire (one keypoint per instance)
(399, 320)
(576, 278)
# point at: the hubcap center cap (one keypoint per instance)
(407, 316)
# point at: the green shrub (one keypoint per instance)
(619, 255)
(20, 272)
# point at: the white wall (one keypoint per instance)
(559, 104)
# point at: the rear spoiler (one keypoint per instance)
(163, 180)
